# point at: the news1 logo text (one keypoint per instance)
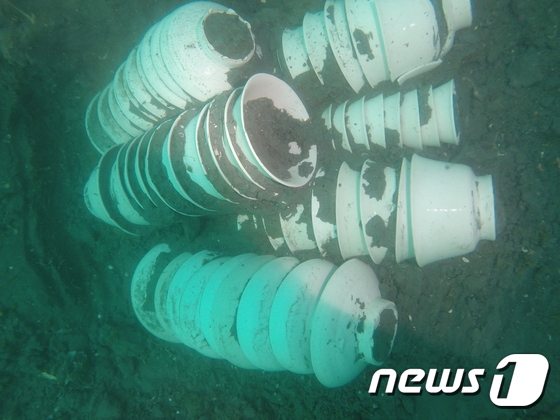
(525, 389)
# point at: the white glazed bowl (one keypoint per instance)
(145, 58)
(284, 99)
(404, 248)
(99, 197)
(356, 124)
(137, 116)
(323, 215)
(451, 209)
(392, 113)
(411, 135)
(341, 43)
(194, 63)
(352, 326)
(138, 91)
(221, 296)
(107, 120)
(148, 77)
(291, 314)
(375, 120)
(445, 112)
(144, 281)
(175, 94)
(173, 154)
(339, 124)
(367, 40)
(211, 314)
(120, 197)
(427, 113)
(295, 55)
(410, 34)
(348, 222)
(192, 278)
(182, 313)
(162, 290)
(316, 42)
(378, 186)
(158, 177)
(118, 114)
(458, 15)
(297, 228)
(192, 158)
(94, 200)
(253, 313)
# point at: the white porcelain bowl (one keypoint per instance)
(458, 15)
(339, 124)
(295, 55)
(428, 120)
(410, 34)
(297, 228)
(348, 222)
(356, 124)
(445, 112)
(221, 296)
(341, 43)
(145, 57)
(410, 131)
(178, 285)
(297, 160)
(377, 189)
(352, 326)
(162, 290)
(316, 42)
(291, 314)
(144, 281)
(253, 312)
(451, 209)
(184, 300)
(375, 121)
(403, 231)
(367, 40)
(211, 321)
(194, 63)
(323, 217)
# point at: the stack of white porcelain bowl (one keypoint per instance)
(263, 312)
(442, 211)
(421, 117)
(370, 41)
(346, 214)
(245, 145)
(184, 60)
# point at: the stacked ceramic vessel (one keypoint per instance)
(182, 61)
(221, 159)
(263, 312)
(432, 211)
(370, 41)
(418, 118)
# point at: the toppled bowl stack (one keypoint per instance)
(244, 146)
(184, 60)
(263, 312)
(370, 41)
(433, 211)
(419, 118)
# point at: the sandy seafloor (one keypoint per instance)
(65, 308)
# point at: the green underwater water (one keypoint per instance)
(70, 344)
